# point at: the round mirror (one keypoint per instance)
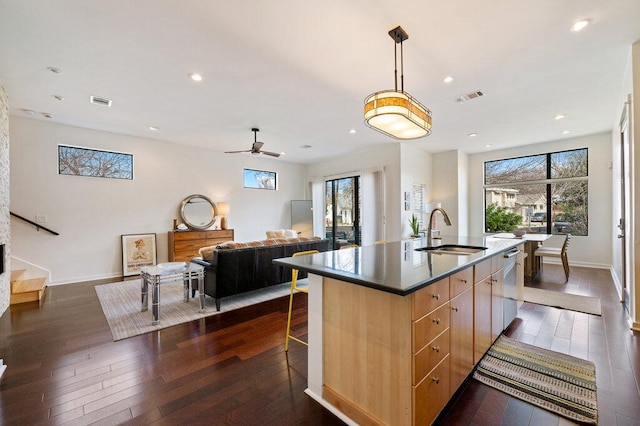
(198, 212)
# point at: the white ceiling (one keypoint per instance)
(300, 70)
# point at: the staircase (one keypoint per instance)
(26, 289)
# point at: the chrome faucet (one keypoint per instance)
(446, 220)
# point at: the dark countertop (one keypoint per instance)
(396, 267)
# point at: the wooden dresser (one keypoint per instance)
(184, 245)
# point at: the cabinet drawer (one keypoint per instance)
(427, 299)
(497, 263)
(461, 281)
(432, 394)
(429, 326)
(481, 270)
(430, 355)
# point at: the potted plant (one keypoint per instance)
(415, 225)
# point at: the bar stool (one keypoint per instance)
(294, 288)
(557, 252)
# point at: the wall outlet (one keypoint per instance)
(40, 218)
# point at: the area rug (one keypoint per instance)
(121, 305)
(556, 299)
(560, 383)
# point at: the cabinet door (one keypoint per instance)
(497, 302)
(461, 332)
(481, 318)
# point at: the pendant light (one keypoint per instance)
(394, 112)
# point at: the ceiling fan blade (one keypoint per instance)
(236, 152)
(256, 146)
(273, 154)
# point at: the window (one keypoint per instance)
(546, 193)
(260, 179)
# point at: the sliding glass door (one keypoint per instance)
(342, 216)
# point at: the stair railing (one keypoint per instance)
(37, 225)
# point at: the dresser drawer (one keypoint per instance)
(189, 245)
(428, 298)
(430, 355)
(190, 235)
(461, 281)
(429, 326)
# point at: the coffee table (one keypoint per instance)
(169, 272)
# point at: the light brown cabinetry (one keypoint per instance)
(391, 359)
(461, 331)
(488, 301)
(184, 245)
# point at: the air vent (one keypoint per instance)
(469, 96)
(100, 101)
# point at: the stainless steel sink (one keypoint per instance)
(452, 249)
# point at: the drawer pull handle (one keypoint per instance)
(436, 380)
(436, 320)
(436, 348)
(436, 296)
(461, 280)
(493, 280)
(455, 308)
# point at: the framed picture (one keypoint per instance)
(260, 179)
(78, 161)
(138, 250)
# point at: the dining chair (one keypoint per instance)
(295, 288)
(557, 252)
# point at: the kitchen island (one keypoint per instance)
(394, 331)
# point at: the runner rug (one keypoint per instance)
(560, 383)
(556, 299)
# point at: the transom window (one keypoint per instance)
(544, 193)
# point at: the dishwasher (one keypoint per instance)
(510, 290)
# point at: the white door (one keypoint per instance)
(622, 224)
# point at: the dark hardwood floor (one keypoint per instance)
(64, 368)
(606, 340)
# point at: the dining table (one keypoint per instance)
(532, 242)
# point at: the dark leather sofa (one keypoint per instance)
(230, 269)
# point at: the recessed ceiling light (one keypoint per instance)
(559, 116)
(305, 146)
(352, 131)
(153, 128)
(488, 145)
(55, 70)
(566, 132)
(28, 111)
(47, 115)
(448, 79)
(473, 135)
(58, 97)
(580, 25)
(195, 76)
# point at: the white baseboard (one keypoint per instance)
(2, 367)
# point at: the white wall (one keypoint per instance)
(92, 213)
(450, 188)
(387, 157)
(416, 168)
(592, 250)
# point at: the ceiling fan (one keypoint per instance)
(256, 148)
